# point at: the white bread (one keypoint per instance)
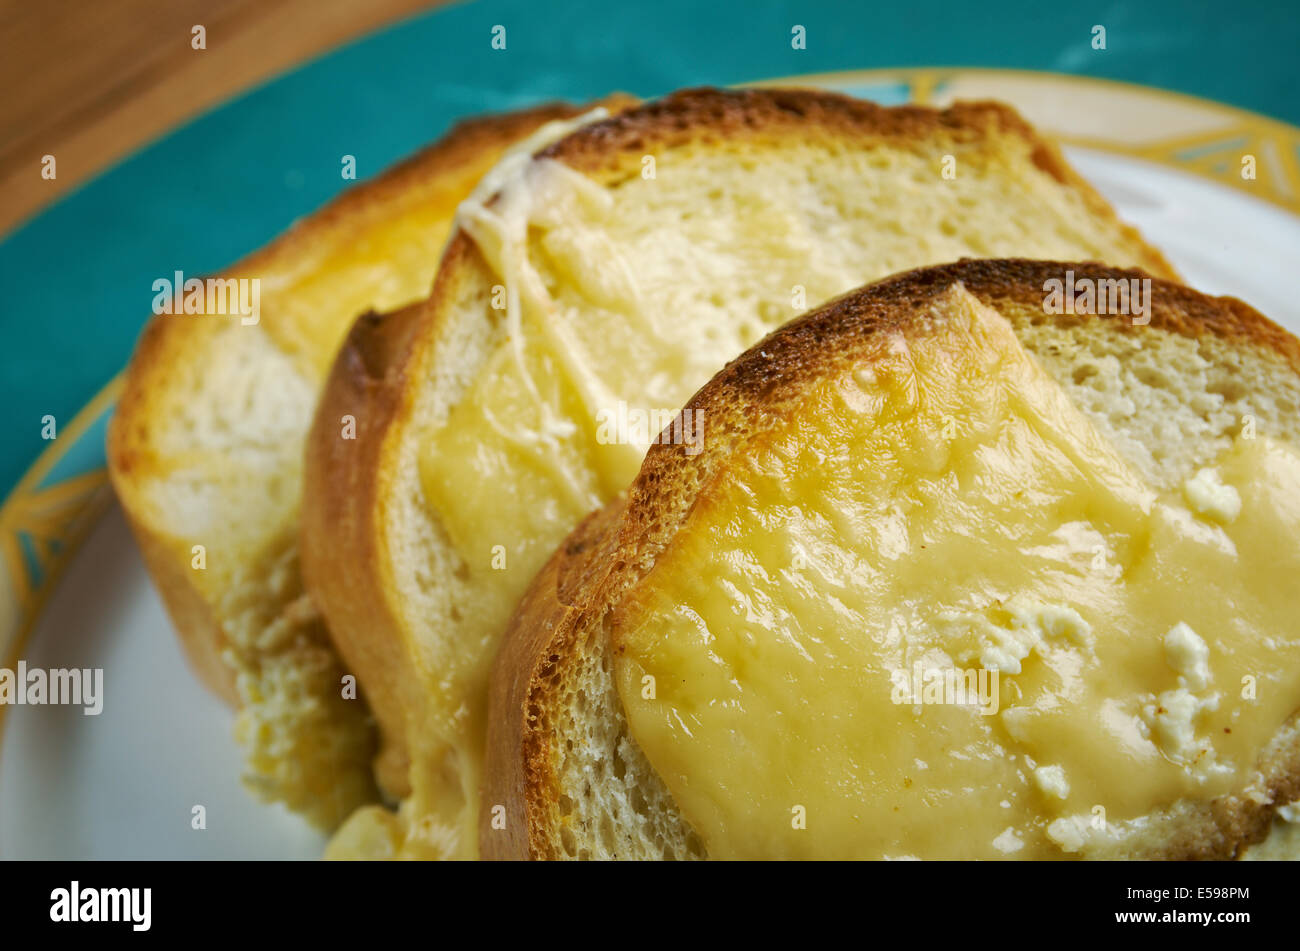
(1170, 396)
(706, 219)
(205, 449)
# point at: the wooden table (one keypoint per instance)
(90, 81)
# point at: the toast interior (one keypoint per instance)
(205, 453)
(590, 296)
(566, 779)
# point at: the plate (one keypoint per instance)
(74, 592)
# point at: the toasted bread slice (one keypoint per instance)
(602, 284)
(205, 452)
(825, 409)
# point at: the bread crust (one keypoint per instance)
(135, 455)
(611, 151)
(366, 384)
(563, 612)
(539, 632)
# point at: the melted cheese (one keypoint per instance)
(952, 510)
(599, 321)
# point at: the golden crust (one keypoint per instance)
(562, 613)
(536, 642)
(169, 344)
(611, 150)
(344, 545)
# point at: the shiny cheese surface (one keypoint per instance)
(623, 299)
(944, 509)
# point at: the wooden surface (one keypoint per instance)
(90, 81)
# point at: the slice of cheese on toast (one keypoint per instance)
(582, 299)
(959, 571)
(205, 453)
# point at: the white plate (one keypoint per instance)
(123, 784)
